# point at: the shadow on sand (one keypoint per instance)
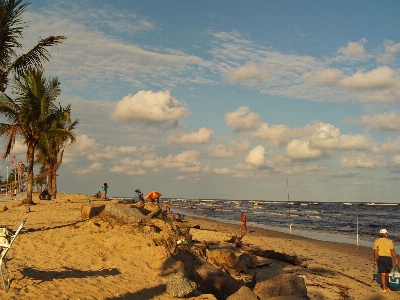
(44, 275)
(143, 294)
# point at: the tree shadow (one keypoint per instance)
(143, 294)
(43, 275)
(25, 230)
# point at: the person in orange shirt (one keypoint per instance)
(243, 220)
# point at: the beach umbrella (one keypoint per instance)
(153, 195)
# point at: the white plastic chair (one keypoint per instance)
(3, 252)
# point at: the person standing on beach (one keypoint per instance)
(383, 252)
(136, 197)
(105, 188)
(243, 220)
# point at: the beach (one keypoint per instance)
(60, 256)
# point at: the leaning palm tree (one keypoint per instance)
(30, 115)
(11, 27)
(51, 147)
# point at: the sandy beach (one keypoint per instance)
(59, 256)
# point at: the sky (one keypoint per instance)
(227, 99)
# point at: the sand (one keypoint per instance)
(59, 256)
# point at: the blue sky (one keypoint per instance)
(228, 99)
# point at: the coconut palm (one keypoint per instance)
(31, 115)
(11, 27)
(51, 147)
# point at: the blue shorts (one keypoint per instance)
(384, 264)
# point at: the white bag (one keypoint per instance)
(4, 237)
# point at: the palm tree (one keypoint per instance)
(11, 26)
(31, 115)
(51, 147)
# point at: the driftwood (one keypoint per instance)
(277, 256)
(259, 266)
(266, 253)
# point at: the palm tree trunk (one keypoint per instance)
(31, 159)
(54, 184)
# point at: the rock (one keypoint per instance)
(121, 201)
(206, 297)
(282, 285)
(89, 211)
(153, 210)
(179, 286)
(212, 280)
(221, 257)
(244, 262)
(124, 213)
(3, 208)
(243, 293)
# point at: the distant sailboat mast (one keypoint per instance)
(288, 198)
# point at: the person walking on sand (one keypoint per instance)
(243, 220)
(383, 252)
(105, 188)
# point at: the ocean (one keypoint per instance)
(352, 223)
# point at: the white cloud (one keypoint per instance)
(231, 149)
(222, 171)
(301, 150)
(222, 151)
(186, 161)
(388, 95)
(391, 49)
(396, 160)
(256, 156)
(96, 166)
(150, 106)
(387, 121)
(353, 49)
(381, 77)
(362, 160)
(276, 135)
(390, 146)
(322, 76)
(242, 119)
(249, 72)
(83, 146)
(345, 142)
(203, 136)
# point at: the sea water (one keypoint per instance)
(352, 223)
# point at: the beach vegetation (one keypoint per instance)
(32, 116)
(11, 28)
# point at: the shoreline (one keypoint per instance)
(319, 235)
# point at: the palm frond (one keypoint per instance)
(10, 29)
(37, 55)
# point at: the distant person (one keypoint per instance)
(178, 217)
(243, 221)
(383, 252)
(136, 197)
(14, 193)
(168, 206)
(141, 198)
(105, 189)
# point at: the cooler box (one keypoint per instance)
(394, 279)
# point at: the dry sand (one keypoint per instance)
(58, 256)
